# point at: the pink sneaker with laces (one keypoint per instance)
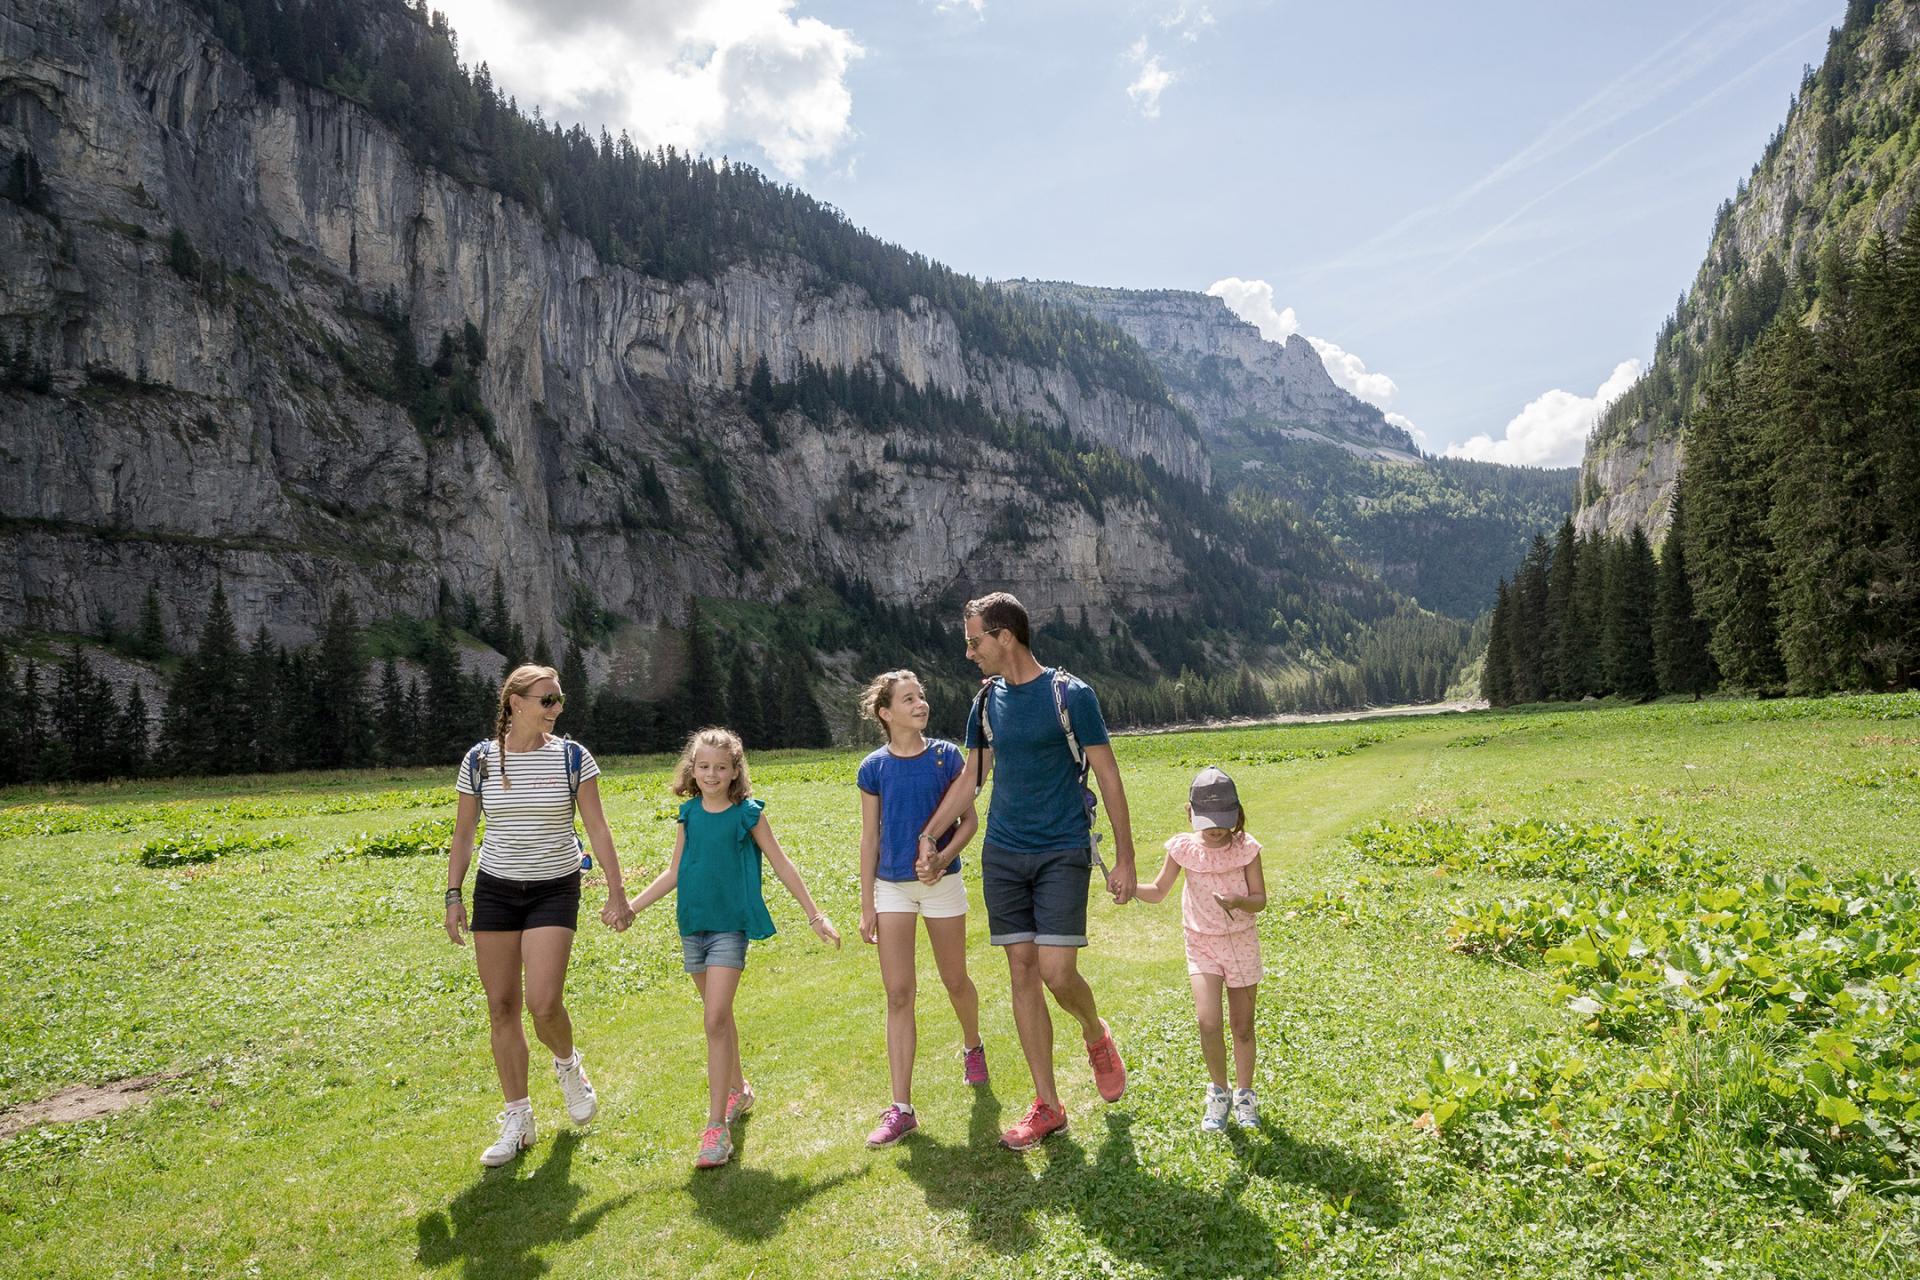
(1040, 1121)
(894, 1125)
(976, 1065)
(1109, 1072)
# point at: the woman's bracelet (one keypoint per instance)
(818, 916)
(453, 893)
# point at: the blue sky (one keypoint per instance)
(1479, 212)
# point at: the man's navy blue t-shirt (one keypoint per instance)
(1036, 806)
(910, 789)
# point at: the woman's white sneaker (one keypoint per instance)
(516, 1135)
(582, 1102)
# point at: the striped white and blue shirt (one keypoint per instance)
(529, 825)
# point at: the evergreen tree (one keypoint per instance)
(1496, 674)
(542, 655)
(394, 713)
(133, 734)
(1680, 652)
(1728, 551)
(1627, 627)
(31, 731)
(705, 692)
(150, 638)
(13, 762)
(448, 725)
(260, 704)
(743, 701)
(496, 627)
(774, 721)
(1526, 641)
(574, 682)
(200, 731)
(1561, 673)
(808, 723)
(342, 725)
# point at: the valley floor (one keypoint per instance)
(335, 1087)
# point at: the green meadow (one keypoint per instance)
(1558, 992)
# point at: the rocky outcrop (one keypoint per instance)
(1842, 164)
(215, 275)
(1220, 368)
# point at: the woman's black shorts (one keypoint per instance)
(508, 906)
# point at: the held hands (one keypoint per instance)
(618, 913)
(1123, 882)
(927, 866)
(824, 930)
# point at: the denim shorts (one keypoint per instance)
(705, 950)
(1036, 897)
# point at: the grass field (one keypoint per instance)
(334, 1088)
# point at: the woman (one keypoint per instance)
(526, 896)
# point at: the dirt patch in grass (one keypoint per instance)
(83, 1102)
(1886, 740)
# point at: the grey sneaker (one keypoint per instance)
(516, 1135)
(1246, 1109)
(1215, 1118)
(582, 1102)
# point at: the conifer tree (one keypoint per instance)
(259, 708)
(133, 734)
(150, 637)
(744, 715)
(393, 717)
(774, 721)
(13, 766)
(1496, 675)
(448, 723)
(808, 724)
(342, 727)
(574, 682)
(200, 731)
(1681, 660)
(1560, 675)
(705, 697)
(1627, 628)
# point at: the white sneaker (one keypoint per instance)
(1215, 1119)
(1246, 1109)
(516, 1135)
(582, 1102)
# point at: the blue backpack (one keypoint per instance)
(480, 758)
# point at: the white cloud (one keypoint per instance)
(1150, 79)
(702, 75)
(1552, 430)
(1405, 423)
(977, 6)
(1350, 371)
(1252, 301)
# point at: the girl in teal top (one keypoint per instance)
(716, 869)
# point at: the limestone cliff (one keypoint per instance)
(1227, 375)
(233, 285)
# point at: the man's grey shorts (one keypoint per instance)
(1036, 897)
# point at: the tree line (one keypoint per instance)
(1594, 616)
(260, 707)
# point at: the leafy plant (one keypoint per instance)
(192, 847)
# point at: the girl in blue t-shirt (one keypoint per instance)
(901, 784)
(716, 868)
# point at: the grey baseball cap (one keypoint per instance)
(1215, 800)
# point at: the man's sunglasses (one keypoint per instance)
(973, 642)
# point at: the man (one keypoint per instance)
(1037, 859)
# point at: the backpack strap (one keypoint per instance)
(576, 762)
(477, 761)
(1060, 679)
(986, 733)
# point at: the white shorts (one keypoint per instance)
(944, 898)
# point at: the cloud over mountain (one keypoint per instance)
(1552, 430)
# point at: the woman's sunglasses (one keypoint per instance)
(552, 699)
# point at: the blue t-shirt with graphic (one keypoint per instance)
(910, 789)
(1036, 805)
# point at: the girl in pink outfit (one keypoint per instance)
(1224, 891)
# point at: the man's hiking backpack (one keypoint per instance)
(480, 760)
(1059, 685)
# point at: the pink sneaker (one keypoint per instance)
(716, 1147)
(739, 1101)
(976, 1067)
(1039, 1121)
(894, 1125)
(1109, 1072)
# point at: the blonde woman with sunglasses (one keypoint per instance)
(526, 895)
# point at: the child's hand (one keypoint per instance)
(824, 930)
(1226, 901)
(633, 907)
(869, 925)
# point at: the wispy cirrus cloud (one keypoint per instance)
(699, 74)
(1150, 79)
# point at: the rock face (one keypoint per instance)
(214, 277)
(1227, 375)
(1842, 164)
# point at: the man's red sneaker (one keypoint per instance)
(1039, 1121)
(1109, 1073)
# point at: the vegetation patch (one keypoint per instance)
(1642, 852)
(189, 847)
(427, 838)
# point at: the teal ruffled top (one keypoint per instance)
(719, 887)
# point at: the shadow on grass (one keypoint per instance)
(1163, 1224)
(752, 1204)
(498, 1225)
